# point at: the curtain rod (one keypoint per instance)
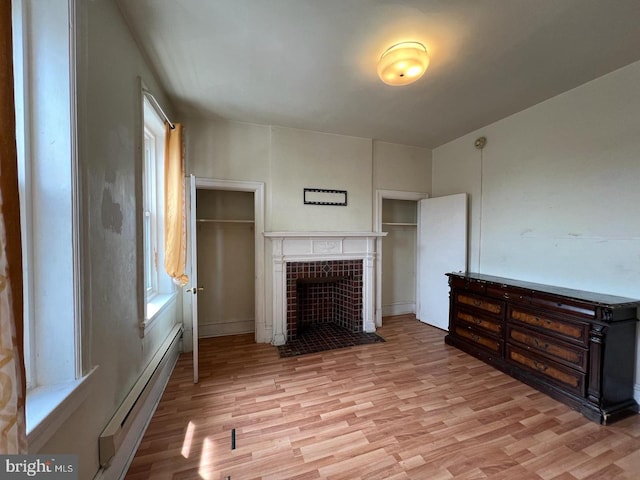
(158, 107)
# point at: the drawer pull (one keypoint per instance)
(477, 303)
(539, 344)
(475, 337)
(541, 366)
(477, 321)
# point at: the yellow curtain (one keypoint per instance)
(175, 232)
(12, 387)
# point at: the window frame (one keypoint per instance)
(150, 214)
(46, 130)
(160, 290)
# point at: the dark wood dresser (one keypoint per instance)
(576, 346)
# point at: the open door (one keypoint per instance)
(192, 290)
(442, 248)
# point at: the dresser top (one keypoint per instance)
(598, 298)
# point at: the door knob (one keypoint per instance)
(195, 290)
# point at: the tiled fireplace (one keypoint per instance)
(325, 291)
(322, 277)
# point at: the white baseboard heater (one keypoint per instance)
(126, 427)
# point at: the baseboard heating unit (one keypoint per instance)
(123, 433)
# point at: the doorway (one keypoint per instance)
(396, 212)
(441, 229)
(192, 292)
(399, 256)
(225, 224)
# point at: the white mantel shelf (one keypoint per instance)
(321, 246)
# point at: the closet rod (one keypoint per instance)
(158, 107)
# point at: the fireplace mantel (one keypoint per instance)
(321, 246)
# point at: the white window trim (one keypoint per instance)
(21, 87)
(150, 175)
(165, 293)
(48, 405)
(155, 307)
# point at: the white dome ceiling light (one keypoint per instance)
(403, 63)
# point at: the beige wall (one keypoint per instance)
(303, 159)
(401, 167)
(288, 160)
(227, 150)
(556, 200)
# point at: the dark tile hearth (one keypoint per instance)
(326, 336)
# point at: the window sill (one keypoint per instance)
(48, 407)
(155, 306)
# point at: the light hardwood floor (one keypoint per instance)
(410, 408)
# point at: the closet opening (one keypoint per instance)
(399, 256)
(225, 223)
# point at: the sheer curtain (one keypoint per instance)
(175, 231)
(12, 386)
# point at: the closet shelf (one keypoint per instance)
(400, 224)
(213, 220)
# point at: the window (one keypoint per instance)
(45, 135)
(150, 215)
(159, 288)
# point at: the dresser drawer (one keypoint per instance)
(575, 332)
(494, 307)
(467, 284)
(570, 355)
(569, 379)
(508, 293)
(564, 306)
(479, 339)
(465, 317)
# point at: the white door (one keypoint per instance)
(192, 291)
(442, 248)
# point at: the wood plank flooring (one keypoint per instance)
(409, 408)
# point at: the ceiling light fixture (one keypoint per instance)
(403, 63)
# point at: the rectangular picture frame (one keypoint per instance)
(323, 196)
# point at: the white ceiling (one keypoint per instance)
(311, 64)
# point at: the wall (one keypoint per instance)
(227, 150)
(109, 136)
(300, 159)
(554, 194)
(401, 167)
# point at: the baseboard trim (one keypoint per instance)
(400, 308)
(636, 393)
(237, 327)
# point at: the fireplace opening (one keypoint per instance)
(324, 292)
(320, 301)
